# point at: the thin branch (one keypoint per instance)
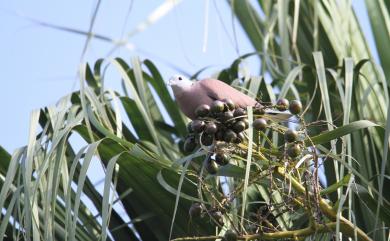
(305, 232)
(346, 226)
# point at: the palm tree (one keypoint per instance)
(315, 52)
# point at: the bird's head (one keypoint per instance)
(179, 81)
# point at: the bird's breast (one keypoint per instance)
(190, 100)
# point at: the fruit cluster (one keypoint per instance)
(220, 128)
(223, 121)
(197, 211)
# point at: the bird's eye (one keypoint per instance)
(180, 78)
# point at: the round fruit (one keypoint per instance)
(237, 140)
(226, 116)
(198, 126)
(189, 144)
(195, 210)
(246, 122)
(294, 151)
(290, 135)
(211, 128)
(211, 167)
(229, 136)
(221, 158)
(219, 135)
(181, 145)
(239, 112)
(260, 124)
(217, 106)
(295, 107)
(189, 127)
(239, 126)
(230, 235)
(217, 216)
(207, 139)
(202, 110)
(230, 104)
(282, 104)
(240, 137)
(259, 110)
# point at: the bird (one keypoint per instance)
(191, 94)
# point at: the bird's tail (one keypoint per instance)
(278, 116)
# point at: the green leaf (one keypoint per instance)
(248, 162)
(339, 132)
(370, 202)
(136, 118)
(107, 203)
(123, 69)
(332, 188)
(380, 25)
(230, 170)
(5, 158)
(172, 108)
(249, 20)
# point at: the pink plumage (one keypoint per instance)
(190, 95)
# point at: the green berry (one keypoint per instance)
(219, 135)
(226, 116)
(207, 139)
(202, 110)
(189, 144)
(240, 137)
(189, 127)
(221, 158)
(229, 103)
(198, 126)
(217, 216)
(181, 145)
(259, 110)
(217, 106)
(295, 107)
(229, 136)
(290, 135)
(230, 235)
(195, 210)
(239, 126)
(260, 124)
(282, 104)
(245, 120)
(294, 150)
(239, 112)
(211, 167)
(211, 128)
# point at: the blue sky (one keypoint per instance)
(39, 64)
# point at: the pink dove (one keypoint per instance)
(189, 95)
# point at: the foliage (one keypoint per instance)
(313, 50)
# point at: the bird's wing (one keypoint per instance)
(219, 90)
